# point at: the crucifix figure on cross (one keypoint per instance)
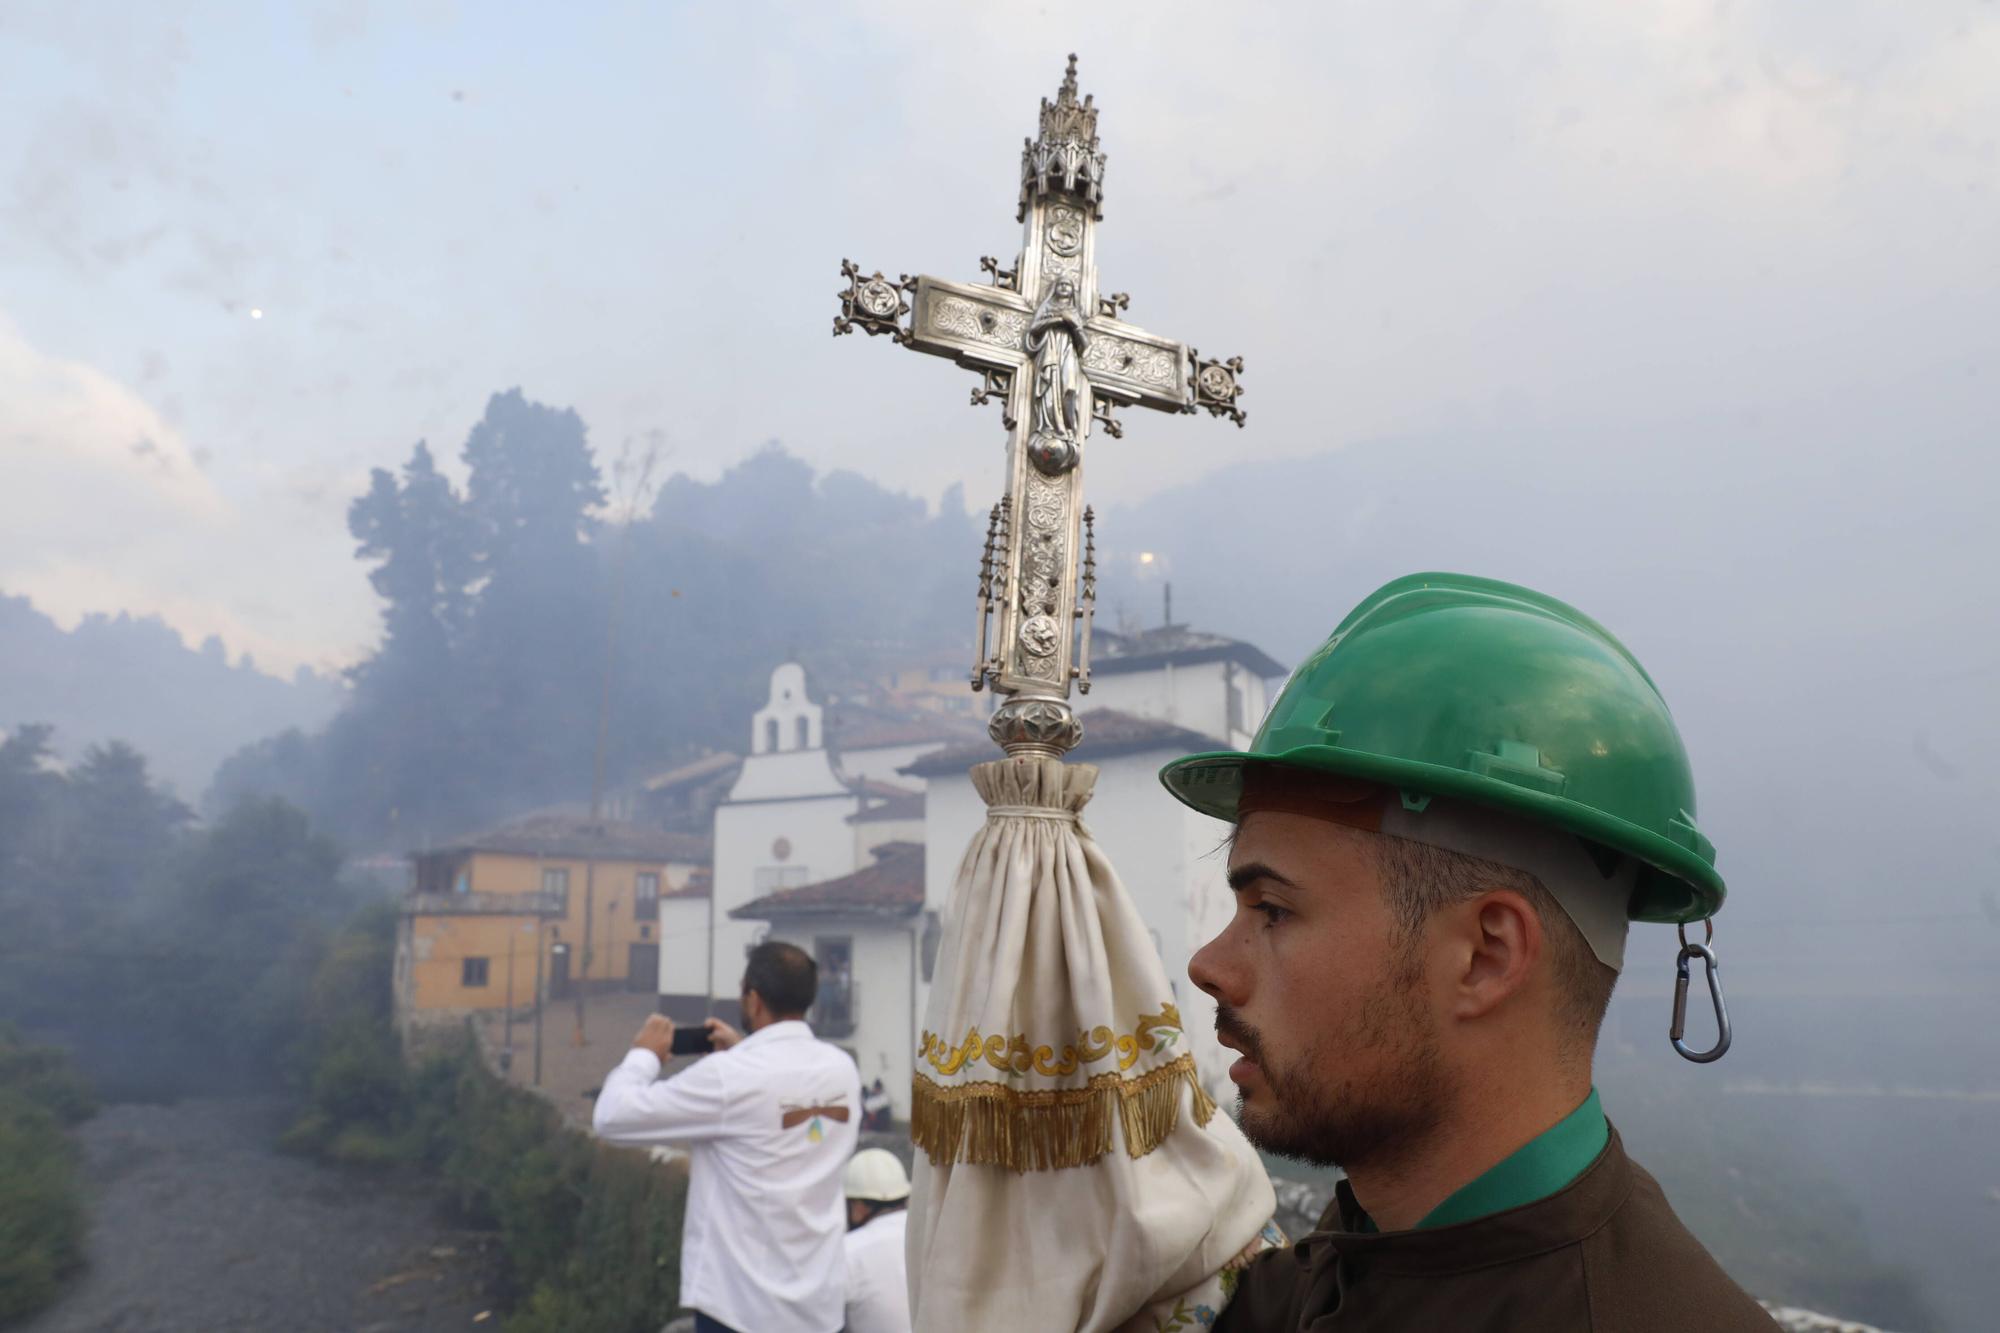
(1060, 359)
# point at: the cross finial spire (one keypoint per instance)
(1066, 158)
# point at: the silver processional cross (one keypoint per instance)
(1059, 358)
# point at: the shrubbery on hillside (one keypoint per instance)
(591, 1234)
(41, 1198)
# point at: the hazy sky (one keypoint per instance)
(248, 251)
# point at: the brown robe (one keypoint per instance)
(1604, 1254)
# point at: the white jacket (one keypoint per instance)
(878, 1284)
(769, 1125)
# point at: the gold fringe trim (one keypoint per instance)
(1149, 1032)
(1049, 1129)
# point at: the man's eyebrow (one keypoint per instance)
(1243, 876)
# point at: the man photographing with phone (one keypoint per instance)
(769, 1121)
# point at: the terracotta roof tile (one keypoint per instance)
(1106, 732)
(852, 727)
(1114, 654)
(909, 805)
(892, 887)
(708, 766)
(572, 836)
(877, 790)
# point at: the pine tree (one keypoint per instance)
(537, 640)
(409, 721)
(121, 830)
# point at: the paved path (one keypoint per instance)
(570, 1070)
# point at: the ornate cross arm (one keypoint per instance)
(872, 303)
(1060, 359)
(1217, 386)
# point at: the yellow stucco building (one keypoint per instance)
(565, 898)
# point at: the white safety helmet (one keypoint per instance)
(875, 1176)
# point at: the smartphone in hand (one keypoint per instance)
(691, 1041)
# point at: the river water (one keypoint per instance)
(199, 1224)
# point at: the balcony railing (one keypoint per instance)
(482, 904)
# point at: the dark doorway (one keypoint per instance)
(834, 1012)
(643, 971)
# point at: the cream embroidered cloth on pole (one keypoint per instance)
(1070, 1173)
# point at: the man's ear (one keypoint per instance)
(1500, 940)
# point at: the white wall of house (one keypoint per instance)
(1171, 862)
(880, 763)
(1219, 699)
(873, 833)
(1165, 855)
(684, 957)
(953, 812)
(887, 971)
(764, 846)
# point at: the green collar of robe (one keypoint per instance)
(1545, 1164)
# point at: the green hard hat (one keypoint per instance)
(1481, 691)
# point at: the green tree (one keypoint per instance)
(533, 483)
(536, 651)
(122, 827)
(31, 818)
(251, 901)
(421, 538)
(409, 719)
(289, 766)
(482, 698)
(770, 562)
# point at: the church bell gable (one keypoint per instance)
(789, 719)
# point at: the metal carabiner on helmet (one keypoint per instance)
(1714, 972)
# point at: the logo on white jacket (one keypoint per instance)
(791, 1115)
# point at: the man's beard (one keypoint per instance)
(1330, 1109)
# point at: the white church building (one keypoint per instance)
(800, 812)
(850, 852)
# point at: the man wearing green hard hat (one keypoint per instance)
(1442, 830)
